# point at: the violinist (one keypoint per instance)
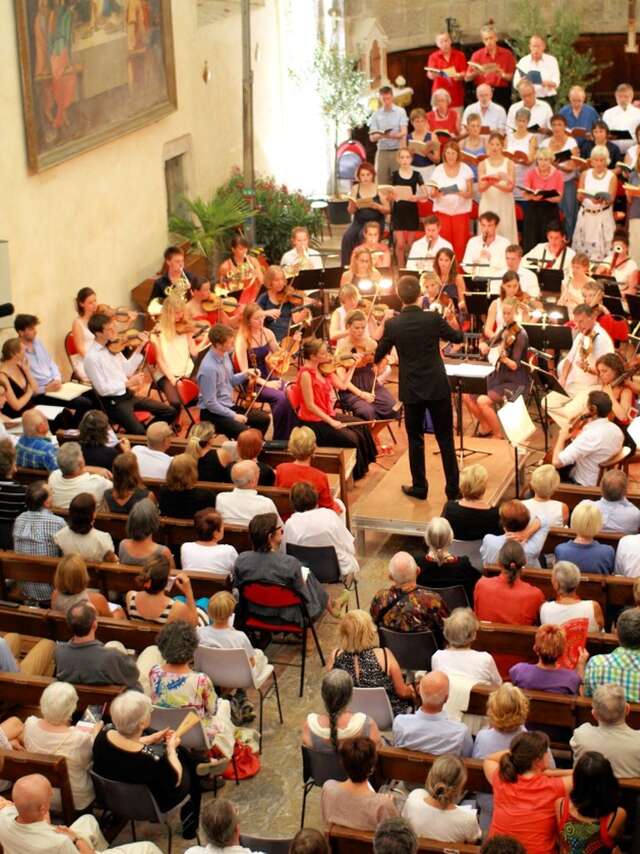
(241, 271)
(510, 287)
(313, 397)
(506, 350)
(571, 292)
(349, 299)
(116, 382)
(253, 345)
(577, 371)
(618, 383)
(174, 278)
(445, 267)
(360, 392)
(176, 344)
(619, 265)
(578, 453)
(194, 308)
(281, 305)
(86, 303)
(301, 256)
(435, 299)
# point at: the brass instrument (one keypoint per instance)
(180, 287)
(585, 350)
(292, 270)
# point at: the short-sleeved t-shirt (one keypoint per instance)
(530, 677)
(525, 810)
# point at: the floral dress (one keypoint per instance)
(177, 690)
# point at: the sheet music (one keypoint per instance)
(468, 369)
(516, 421)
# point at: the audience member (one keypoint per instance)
(34, 531)
(369, 665)
(150, 602)
(584, 550)
(153, 459)
(221, 634)
(430, 729)
(440, 568)
(405, 607)
(544, 481)
(546, 674)
(302, 446)
(98, 441)
(395, 836)
(567, 605)
(214, 463)
(221, 827)
(79, 536)
(70, 586)
(506, 598)
(515, 519)
(434, 812)
(179, 497)
(327, 730)
(311, 841)
(34, 449)
(611, 735)
(12, 493)
(239, 506)
(622, 666)
(249, 446)
(72, 477)
(618, 513)
(460, 630)
(627, 559)
(353, 803)
(39, 661)
(143, 523)
(127, 488)
(470, 516)
(502, 844)
(207, 552)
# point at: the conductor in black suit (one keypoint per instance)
(416, 335)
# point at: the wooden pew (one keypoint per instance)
(505, 639)
(345, 840)
(556, 536)
(572, 494)
(18, 763)
(20, 694)
(592, 585)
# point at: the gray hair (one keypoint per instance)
(523, 113)
(177, 642)
(219, 821)
(70, 457)
(438, 537)
(337, 691)
(128, 711)
(144, 520)
(461, 628)
(403, 568)
(566, 575)
(609, 704)
(437, 93)
(244, 473)
(628, 628)
(58, 702)
(614, 484)
(487, 28)
(395, 836)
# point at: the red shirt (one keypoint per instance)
(525, 810)
(458, 62)
(495, 600)
(287, 474)
(503, 58)
(322, 388)
(534, 180)
(450, 123)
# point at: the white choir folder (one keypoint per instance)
(516, 423)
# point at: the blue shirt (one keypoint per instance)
(591, 557)
(7, 661)
(587, 117)
(34, 452)
(394, 119)
(619, 515)
(491, 545)
(43, 368)
(216, 379)
(436, 734)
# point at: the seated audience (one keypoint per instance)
(221, 828)
(207, 552)
(72, 477)
(127, 488)
(369, 665)
(525, 792)
(584, 550)
(394, 836)
(12, 493)
(544, 481)
(55, 733)
(221, 634)
(150, 602)
(153, 459)
(589, 818)
(239, 506)
(86, 661)
(565, 580)
(502, 844)
(70, 586)
(546, 674)
(34, 449)
(311, 525)
(622, 666)
(611, 735)
(176, 684)
(98, 441)
(39, 661)
(514, 518)
(249, 446)
(353, 803)
(405, 607)
(618, 513)
(439, 568)
(143, 523)
(123, 753)
(460, 630)
(434, 812)
(327, 730)
(627, 561)
(430, 729)
(34, 531)
(302, 446)
(180, 497)
(470, 516)
(25, 825)
(214, 463)
(79, 535)
(506, 598)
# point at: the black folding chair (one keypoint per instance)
(323, 563)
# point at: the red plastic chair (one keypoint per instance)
(276, 596)
(188, 392)
(71, 350)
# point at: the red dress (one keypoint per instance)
(287, 474)
(458, 62)
(322, 395)
(450, 123)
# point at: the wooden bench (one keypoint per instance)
(20, 694)
(505, 639)
(18, 763)
(555, 536)
(572, 494)
(345, 840)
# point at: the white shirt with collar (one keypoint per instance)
(496, 248)
(528, 281)
(323, 527)
(623, 271)
(313, 259)
(620, 515)
(549, 70)
(628, 556)
(578, 380)
(420, 250)
(64, 489)
(151, 463)
(239, 506)
(541, 250)
(597, 441)
(618, 118)
(541, 114)
(108, 372)
(493, 116)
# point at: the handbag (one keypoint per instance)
(244, 764)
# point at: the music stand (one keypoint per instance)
(478, 304)
(614, 304)
(548, 382)
(467, 378)
(548, 336)
(551, 280)
(475, 284)
(518, 428)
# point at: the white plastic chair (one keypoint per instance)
(193, 739)
(231, 668)
(375, 703)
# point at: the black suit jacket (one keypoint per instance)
(416, 335)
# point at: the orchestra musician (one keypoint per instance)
(578, 459)
(435, 299)
(200, 293)
(445, 267)
(254, 342)
(485, 253)
(528, 279)
(115, 379)
(577, 371)
(241, 271)
(217, 378)
(361, 268)
(423, 251)
(173, 275)
(312, 396)
(177, 343)
(301, 256)
(552, 254)
(572, 289)
(510, 287)
(616, 326)
(281, 306)
(359, 390)
(506, 350)
(380, 253)
(86, 303)
(618, 383)
(350, 299)
(620, 265)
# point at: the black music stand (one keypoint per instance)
(544, 382)
(551, 280)
(478, 304)
(466, 385)
(548, 336)
(549, 305)
(614, 304)
(476, 284)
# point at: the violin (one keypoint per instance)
(128, 338)
(333, 363)
(216, 303)
(121, 314)
(378, 310)
(279, 361)
(195, 328)
(288, 294)
(578, 424)
(509, 335)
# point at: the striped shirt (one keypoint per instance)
(620, 667)
(33, 535)
(34, 452)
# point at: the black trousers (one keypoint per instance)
(120, 411)
(231, 428)
(359, 438)
(76, 409)
(442, 417)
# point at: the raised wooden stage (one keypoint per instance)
(386, 508)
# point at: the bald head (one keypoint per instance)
(32, 797)
(434, 691)
(34, 423)
(403, 568)
(159, 435)
(245, 474)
